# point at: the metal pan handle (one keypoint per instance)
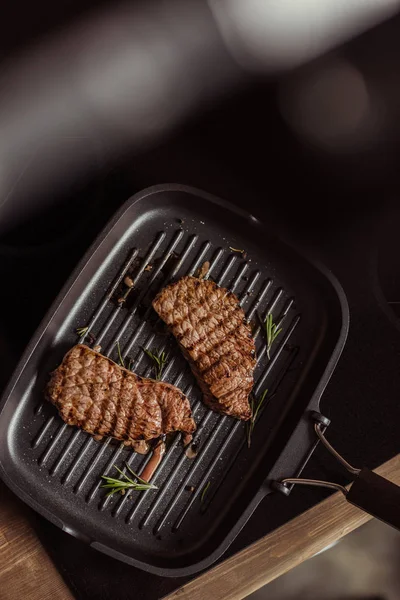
(370, 492)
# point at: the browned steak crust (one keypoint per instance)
(94, 393)
(215, 337)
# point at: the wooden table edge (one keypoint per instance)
(26, 570)
(282, 549)
(25, 567)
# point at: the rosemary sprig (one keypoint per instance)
(204, 492)
(126, 483)
(271, 331)
(81, 331)
(255, 409)
(160, 359)
(121, 360)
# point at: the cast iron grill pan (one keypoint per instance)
(175, 530)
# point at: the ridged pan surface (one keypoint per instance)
(201, 503)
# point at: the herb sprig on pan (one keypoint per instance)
(120, 358)
(239, 251)
(256, 406)
(126, 483)
(272, 331)
(81, 331)
(159, 359)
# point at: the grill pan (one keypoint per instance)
(201, 504)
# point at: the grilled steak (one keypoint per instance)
(216, 339)
(94, 393)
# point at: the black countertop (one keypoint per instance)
(351, 227)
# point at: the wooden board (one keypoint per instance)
(283, 549)
(26, 571)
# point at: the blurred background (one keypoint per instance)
(361, 567)
(291, 109)
(246, 100)
(286, 87)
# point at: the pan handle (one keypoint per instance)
(370, 492)
(377, 496)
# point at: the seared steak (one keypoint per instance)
(94, 393)
(216, 339)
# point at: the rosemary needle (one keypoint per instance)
(126, 483)
(81, 331)
(160, 359)
(121, 360)
(255, 409)
(271, 331)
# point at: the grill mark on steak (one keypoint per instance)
(204, 320)
(118, 401)
(127, 424)
(208, 333)
(215, 338)
(107, 399)
(94, 393)
(129, 421)
(206, 373)
(206, 361)
(201, 324)
(229, 340)
(114, 393)
(104, 401)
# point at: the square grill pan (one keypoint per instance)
(57, 469)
